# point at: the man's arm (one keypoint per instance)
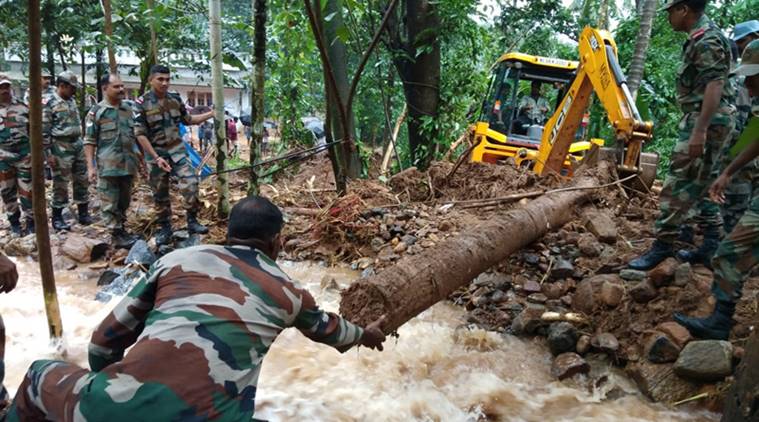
(200, 118)
(717, 190)
(712, 97)
(120, 329)
(148, 149)
(47, 133)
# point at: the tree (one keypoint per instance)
(635, 73)
(217, 76)
(108, 29)
(257, 112)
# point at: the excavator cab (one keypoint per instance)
(525, 91)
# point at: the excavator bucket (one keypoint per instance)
(649, 162)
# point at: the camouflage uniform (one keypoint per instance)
(706, 58)
(199, 325)
(61, 132)
(111, 131)
(158, 120)
(15, 159)
(535, 110)
(47, 92)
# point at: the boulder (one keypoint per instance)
(705, 360)
(664, 272)
(567, 365)
(529, 320)
(589, 296)
(643, 292)
(660, 349)
(21, 246)
(83, 249)
(659, 382)
(602, 226)
(562, 338)
(605, 342)
(140, 253)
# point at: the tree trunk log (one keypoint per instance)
(220, 125)
(742, 403)
(418, 282)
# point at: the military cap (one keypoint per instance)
(69, 78)
(670, 3)
(745, 28)
(749, 60)
(46, 73)
(4, 79)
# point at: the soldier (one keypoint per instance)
(15, 159)
(703, 92)
(158, 114)
(534, 107)
(738, 253)
(110, 132)
(8, 280)
(199, 326)
(62, 139)
(47, 88)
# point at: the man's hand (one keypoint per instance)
(717, 190)
(8, 274)
(163, 164)
(373, 336)
(696, 143)
(92, 174)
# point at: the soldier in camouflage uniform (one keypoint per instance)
(110, 134)
(15, 159)
(199, 326)
(158, 115)
(738, 253)
(8, 280)
(708, 119)
(47, 88)
(62, 140)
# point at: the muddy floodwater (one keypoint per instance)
(437, 370)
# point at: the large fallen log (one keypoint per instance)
(742, 402)
(417, 282)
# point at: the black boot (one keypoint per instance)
(704, 253)
(84, 215)
(122, 240)
(164, 234)
(13, 219)
(193, 226)
(657, 253)
(29, 226)
(714, 327)
(58, 222)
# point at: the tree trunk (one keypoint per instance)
(99, 71)
(49, 25)
(108, 29)
(153, 39)
(742, 402)
(83, 99)
(257, 109)
(38, 177)
(417, 282)
(603, 15)
(635, 74)
(217, 76)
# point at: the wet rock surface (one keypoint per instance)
(705, 360)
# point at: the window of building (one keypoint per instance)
(191, 98)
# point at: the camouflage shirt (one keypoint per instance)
(60, 120)
(706, 57)
(158, 119)
(201, 322)
(14, 128)
(111, 130)
(50, 90)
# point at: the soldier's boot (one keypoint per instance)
(714, 327)
(164, 234)
(29, 226)
(84, 215)
(193, 226)
(704, 253)
(657, 253)
(122, 240)
(686, 234)
(14, 220)
(58, 222)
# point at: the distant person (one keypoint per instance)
(533, 109)
(198, 328)
(46, 86)
(231, 128)
(205, 135)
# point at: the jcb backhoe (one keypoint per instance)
(513, 126)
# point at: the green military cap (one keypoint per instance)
(69, 78)
(670, 3)
(749, 60)
(5, 80)
(46, 73)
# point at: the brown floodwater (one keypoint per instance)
(438, 369)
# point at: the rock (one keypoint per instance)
(612, 293)
(553, 290)
(664, 272)
(400, 247)
(21, 246)
(602, 226)
(83, 249)
(531, 258)
(368, 272)
(567, 365)
(562, 268)
(427, 243)
(705, 360)
(660, 349)
(499, 296)
(589, 246)
(632, 275)
(683, 275)
(537, 298)
(643, 292)
(193, 240)
(409, 239)
(738, 353)
(676, 332)
(583, 344)
(377, 243)
(107, 277)
(62, 262)
(180, 235)
(529, 320)
(444, 226)
(531, 286)
(588, 295)
(659, 382)
(364, 263)
(140, 253)
(387, 254)
(605, 342)
(562, 338)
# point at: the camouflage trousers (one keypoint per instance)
(70, 166)
(160, 181)
(115, 195)
(686, 183)
(15, 181)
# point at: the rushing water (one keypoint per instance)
(437, 370)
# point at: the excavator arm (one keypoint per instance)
(599, 72)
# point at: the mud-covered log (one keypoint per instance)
(417, 282)
(742, 402)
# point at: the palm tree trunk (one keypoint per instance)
(217, 76)
(257, 100)
(635, 74)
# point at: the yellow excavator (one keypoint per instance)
(523, 126)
